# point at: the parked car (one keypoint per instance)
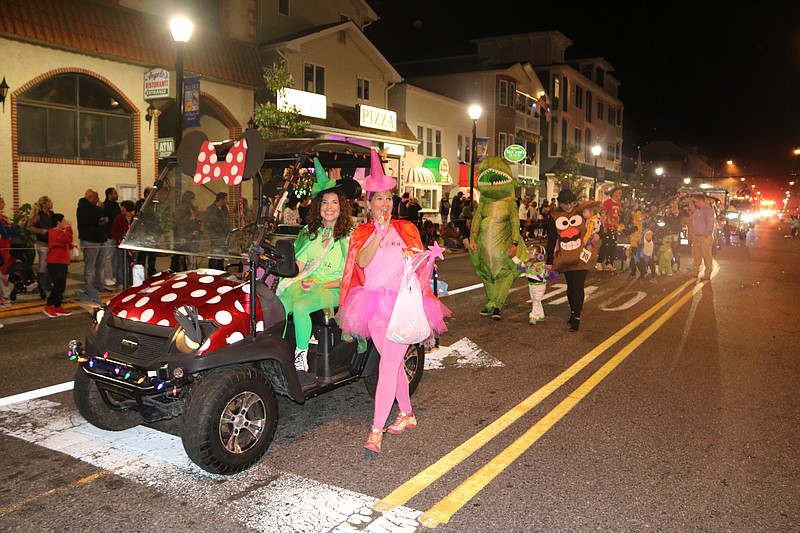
(190, 344)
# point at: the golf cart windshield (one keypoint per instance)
(183, 217)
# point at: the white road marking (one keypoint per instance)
(636, 297)
(588, 292)
(466, 354)
(267, 500)
(38, 393)
(465, 289)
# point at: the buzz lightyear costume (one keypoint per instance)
(537, 275)
(324, 260)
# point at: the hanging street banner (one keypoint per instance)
(156, 84)
(481, 148)
(191, 102)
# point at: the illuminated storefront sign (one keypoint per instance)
(308, 104)
(156, 84)
(375, 117)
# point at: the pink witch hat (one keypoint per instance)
(377, 181)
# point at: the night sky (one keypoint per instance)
(721, 76)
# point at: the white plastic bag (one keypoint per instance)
(408, 323)
(74, 252)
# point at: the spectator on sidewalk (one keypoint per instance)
(217, 226)
(60, 243)
(93, 229)
(414, 209)
(39, 224)
(118, 230)
(456, 206)
(111, 211)
(7, 231)
(152, 228)
(444, 207)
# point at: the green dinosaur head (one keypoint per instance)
(495, 179)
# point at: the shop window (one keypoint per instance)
(314, 78)
(76, 116)
(363, 89)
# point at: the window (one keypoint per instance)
(556, 91)
(617, 152)
(512, 90)
(363, 89)
(601, 107)
(460, 148)
(600, 76)
(612, 115)
(502, 93)
(610, 152)
(553, 137)
(566, 94)
(502, 142)
(283, 7)
(77, 116)
(437, 143)
(588, 146)
(579, 97)
(420, 137)
(587, 71)
(314, 78)
(588, 106)
(578, 140)
(564, 133)
(430, 141)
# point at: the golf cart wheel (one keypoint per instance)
(102, 409)
(413, 365)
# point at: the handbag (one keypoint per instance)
(408, 323)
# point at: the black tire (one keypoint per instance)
(220, 415)
(96, 411)
(414, 366)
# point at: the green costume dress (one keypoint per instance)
(322, 265)
(495, 227)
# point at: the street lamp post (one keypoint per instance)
(181, 29)
(595, 152)
(474, 112)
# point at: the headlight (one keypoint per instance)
(184, 343)
(99, 314)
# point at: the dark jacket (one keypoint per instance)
(90, 226)
(111, 210)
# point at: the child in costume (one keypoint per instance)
(320, 252)
(536, 272)
(371, 283)
(591, 214)
(645, 256)
(665, 256)
(59, 241)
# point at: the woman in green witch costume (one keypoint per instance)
(320, 252)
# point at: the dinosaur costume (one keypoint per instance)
(495, 228)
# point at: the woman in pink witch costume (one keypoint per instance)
(370, 284)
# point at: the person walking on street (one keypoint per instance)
(370, 285)
(93, 229)
(571, 258)
(444, 208)
(217, 227)
(702, 225)
(39, 224)
(111, 210)
(60, 243)
(610, 225)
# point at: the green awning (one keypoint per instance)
(440, 169)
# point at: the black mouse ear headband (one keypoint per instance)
(230, 162)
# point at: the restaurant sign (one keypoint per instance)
(156, 84)
(375, 117)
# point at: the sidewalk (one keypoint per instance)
(30, 304)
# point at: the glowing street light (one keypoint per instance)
(596, 150)
(181, 29)
(474, 113)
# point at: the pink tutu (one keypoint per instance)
(371, 308)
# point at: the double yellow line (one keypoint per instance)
(447, 507)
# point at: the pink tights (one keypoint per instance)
(392, 380)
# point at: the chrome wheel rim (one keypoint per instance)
(242, 422)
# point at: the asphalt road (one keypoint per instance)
(674, 408)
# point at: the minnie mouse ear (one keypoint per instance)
(255, 152)
(350, 187)
(188, 150)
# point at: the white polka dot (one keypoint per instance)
(234, 337)
(147, 314)
(217, 172)
(201, 156)
(180, 277)
(260, 326)
(122, 314)
(200, 317)
(229, 157)
(223, 317)
(129, 297)
(246, 288)
(134, 319)
(163, 322)
(240, 157)
(234, 170)
(158, 282)
(224, 289)
(206, 279)
(206, 179)
(171, 297)
(199, 293)
(205, 345)
(237, 180)
(197, 178)
(214, 300)
(238, 305)
(206, 169)
(142, 302)
(213, 158)
(179, 285)
(226, 179)
(236, 144)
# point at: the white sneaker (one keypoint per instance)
(300, 359)
(110, 282)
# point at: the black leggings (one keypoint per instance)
(576, 279)
(58, 275)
